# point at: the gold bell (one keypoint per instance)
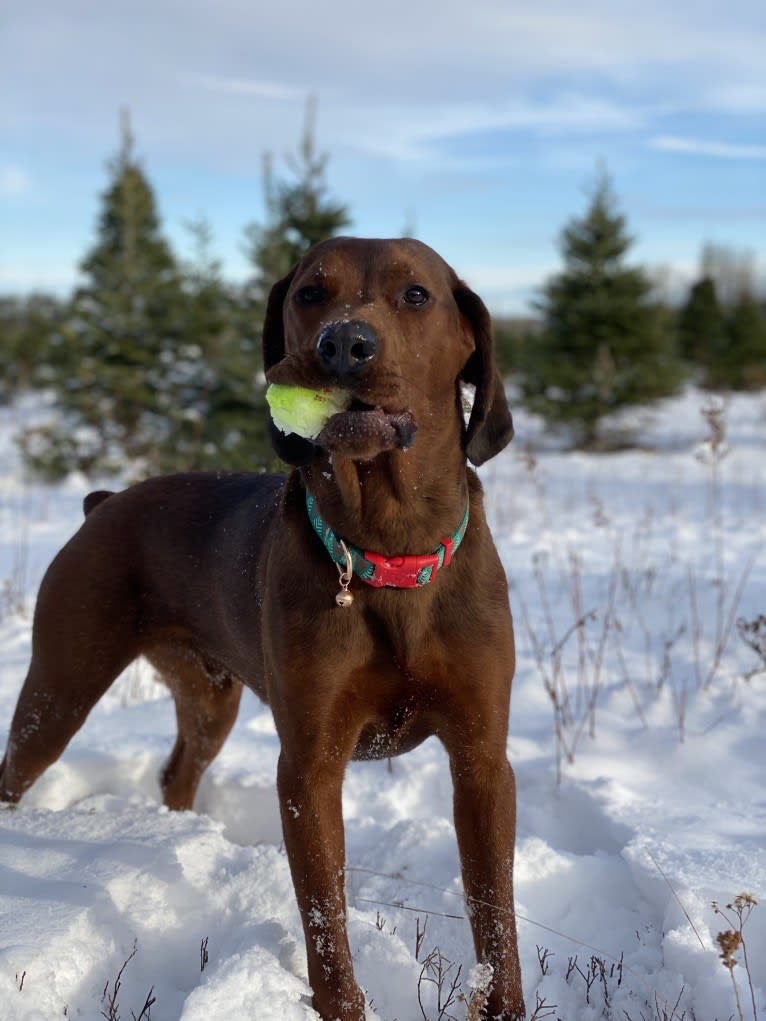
(344, 597)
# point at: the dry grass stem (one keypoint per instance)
(677, 899)
(732, 940)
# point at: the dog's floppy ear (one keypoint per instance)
(273, 323)
(490, 427)
(290, 447)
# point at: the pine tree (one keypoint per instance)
(162, 359)
(298, 213)
(740, 361)
(31, 348)
(721, 326)
(604, 343)
(701, 323)
(220, 421)
(126, 319)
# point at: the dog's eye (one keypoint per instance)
(312, 294)
(416, 295)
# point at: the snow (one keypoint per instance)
(642, 787)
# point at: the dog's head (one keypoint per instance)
(391, 323)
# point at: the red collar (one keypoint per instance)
(405, 571)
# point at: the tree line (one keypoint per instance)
(154, 360)
(604, 339)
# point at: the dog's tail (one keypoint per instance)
(94, 499)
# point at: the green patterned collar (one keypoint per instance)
(405, 571)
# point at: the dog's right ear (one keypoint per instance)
(273, 323)
(290, 447)
(490, 427)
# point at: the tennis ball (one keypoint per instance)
(294, 409)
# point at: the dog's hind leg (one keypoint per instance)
(207, 700)
(64, 682)
(85, 632)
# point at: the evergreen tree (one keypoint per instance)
(721, 326)
(740, 362)
(126, 320)
(701, 323)
(604, 342)
(220, 421)
(162, 359)
(32, 352)
(298, 213)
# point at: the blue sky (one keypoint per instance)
(479, 123)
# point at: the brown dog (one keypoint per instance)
(228, 579)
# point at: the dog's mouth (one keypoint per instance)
(364, 425)
(366, 429)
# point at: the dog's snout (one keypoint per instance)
(347, 348)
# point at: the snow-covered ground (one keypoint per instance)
(638, 739)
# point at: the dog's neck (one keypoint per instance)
(400, 502)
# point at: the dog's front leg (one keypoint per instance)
(312, 822)
(485, 823)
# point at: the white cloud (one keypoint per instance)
(698, 147)
(421, 134)
(246, 87)
(428, 107)
(212, 82)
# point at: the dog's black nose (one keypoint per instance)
(346, 348)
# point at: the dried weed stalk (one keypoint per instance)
(110, 1001)
(732, 940)
(443, 976)
(753, 634)
(712, 452)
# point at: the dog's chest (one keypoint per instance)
(402, 683)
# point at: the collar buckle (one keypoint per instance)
(402, 572)
(406, 571)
